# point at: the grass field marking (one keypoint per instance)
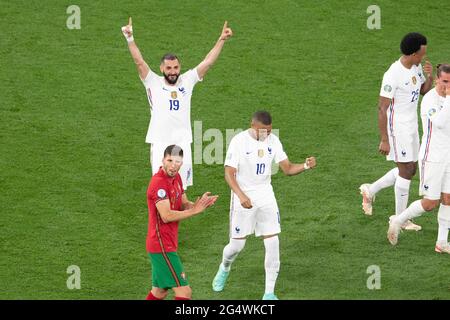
(74, 280)
(374, 280)
(74, 20)
(374, 20)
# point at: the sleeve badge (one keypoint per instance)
(161, 193)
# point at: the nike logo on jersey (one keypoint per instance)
(248, 152)
(407, 83)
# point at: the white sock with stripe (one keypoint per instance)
(401, 194)
(385, 181)
(272, 262)
(444, 223)
(230, 252)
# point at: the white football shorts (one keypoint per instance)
(434, 179)
(404, 147)
(261, 220)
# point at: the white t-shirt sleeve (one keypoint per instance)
(389, 85)
(232, 157)
(151, 76)
(192, 77)
(280, 155)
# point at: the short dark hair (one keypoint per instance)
(263, 117)
(442, 67)
(412, 42)
(173, 150)
(169, 56)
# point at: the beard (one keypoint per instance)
(171, 79)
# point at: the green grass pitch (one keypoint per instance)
(75, 169)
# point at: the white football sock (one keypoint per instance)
(230, 252)
(272, 262)
(414, 210)
(385, 181)
(401, 194)
(444, 223)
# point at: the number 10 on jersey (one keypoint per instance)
(174, 105)
(260, 168)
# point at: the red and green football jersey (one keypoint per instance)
(163, 237)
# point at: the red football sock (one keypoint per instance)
(182, 298)
(151, 297)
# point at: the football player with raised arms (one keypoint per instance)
(402, 85)
(253, 207)
(434, 162)
(169, 97)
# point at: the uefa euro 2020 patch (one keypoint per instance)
(161, 193)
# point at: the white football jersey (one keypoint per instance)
(170, 108)
(253, 160)
(435, 113)
(402, 86)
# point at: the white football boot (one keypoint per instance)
(393, 231)
(442, 247)
(367, 200)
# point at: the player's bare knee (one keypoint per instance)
(187, 292)
(429, 205)
(445, 199)
(407, 170)
(159, 293)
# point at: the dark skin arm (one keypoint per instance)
(383, 105)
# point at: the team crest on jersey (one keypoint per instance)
(161, 193)
(387, 88)
(173, 94)
(403, 153)
(269, 149)
(414, 80)
(260, 153)
(425, 187)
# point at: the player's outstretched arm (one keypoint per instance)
(383, 105)
(291, 169)
(169, 215)
(141, 65)
(212, 56)
(428, 70)
(230, 178)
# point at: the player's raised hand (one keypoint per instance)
(210, 199)
(245, 202)
(428, 69)
(310, 162)
(384, 147)
(204, 202)
(128, 30)
(226, 32)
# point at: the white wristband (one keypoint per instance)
(305, 166)
(130, 39)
